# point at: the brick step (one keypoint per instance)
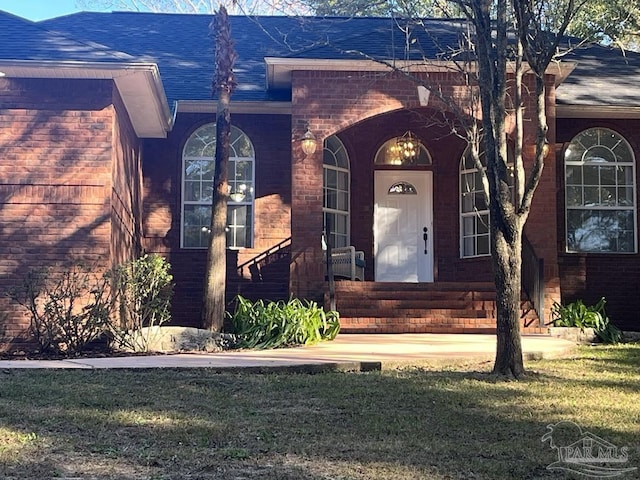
(443, 307)
(414, 312)
(459, 297)
(427, 325)
(397, 287)
(423, 309)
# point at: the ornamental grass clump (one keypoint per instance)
(263, 324)
(582, 316)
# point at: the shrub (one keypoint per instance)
(67, 310)
(577, 314)
(279, 324)
(142, 291)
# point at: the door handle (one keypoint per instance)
(425, 237)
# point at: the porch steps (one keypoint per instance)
(442, 307)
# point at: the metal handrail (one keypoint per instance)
(533, 277)
(265, 254)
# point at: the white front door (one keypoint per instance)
(403, 226)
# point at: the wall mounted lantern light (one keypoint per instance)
(308, 142)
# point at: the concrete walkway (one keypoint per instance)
(346, 352)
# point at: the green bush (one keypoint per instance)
(71, 308)
(279, 324)
(577, 314)
(67, 310)
(142, 291)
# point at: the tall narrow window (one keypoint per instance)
(475, 239)
(197, 188)
(474, 210)
(600, 196)
(335, 186)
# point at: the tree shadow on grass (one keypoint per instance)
(182, 423)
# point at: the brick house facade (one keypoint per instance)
(98, 164)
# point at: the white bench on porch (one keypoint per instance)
(348, 263)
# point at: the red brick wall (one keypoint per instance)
(126, 197)
(55, 171)
(162, 189)
(359, 108)
(590, 276)
(363, 141)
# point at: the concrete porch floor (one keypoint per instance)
(346, 352)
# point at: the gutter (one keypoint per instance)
(139, 85)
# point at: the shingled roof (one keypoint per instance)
(181, 47)
(21, 39)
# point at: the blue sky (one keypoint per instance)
(39, 9)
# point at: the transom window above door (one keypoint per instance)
(406, 150)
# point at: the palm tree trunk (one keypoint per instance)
(213, 308)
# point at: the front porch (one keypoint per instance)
(439, 307)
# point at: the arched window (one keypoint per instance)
(392, 152)
(600, 197)
(474, 210)
(197, 188)
(335, 187)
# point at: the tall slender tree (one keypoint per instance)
(509, 39)
(223, 84)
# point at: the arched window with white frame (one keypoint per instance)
(336, 191)
(198, 160)
(600, 193)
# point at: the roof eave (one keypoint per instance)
(597, 111)
(139, 85)
(279, 69)
(237, 107)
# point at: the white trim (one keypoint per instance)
(474, 214)
(139, 85)
(183, 202)
(602, 208)
(597, 111)
(345, 213)
(255, 107)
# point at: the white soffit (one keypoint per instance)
(139, 85)
(254, 107)
(597, 111)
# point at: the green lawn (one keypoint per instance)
(412, 423)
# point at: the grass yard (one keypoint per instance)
(412, 423)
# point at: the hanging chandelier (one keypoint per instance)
(408, 147)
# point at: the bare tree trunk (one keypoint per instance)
(216, 269)
(507, 273)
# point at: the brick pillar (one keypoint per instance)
(306, 274)
(541, 228)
